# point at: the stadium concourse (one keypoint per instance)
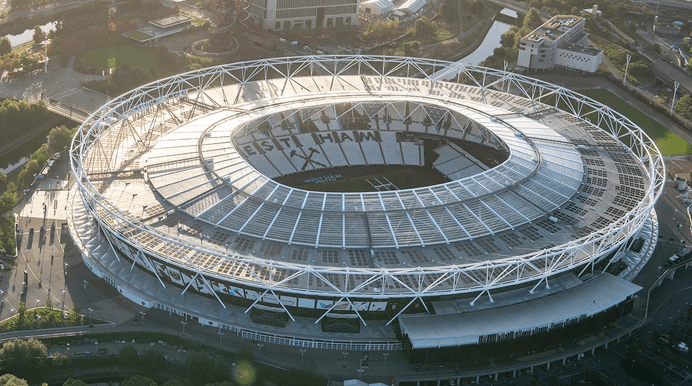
(539, 216)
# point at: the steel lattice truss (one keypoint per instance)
(101, 143)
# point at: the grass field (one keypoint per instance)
(137, 35)
(668, 142)
(355, 178)
(111, 57)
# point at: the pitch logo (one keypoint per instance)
(308, 159)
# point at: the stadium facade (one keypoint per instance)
(543, 215)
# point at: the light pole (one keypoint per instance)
(220, 337)
(63, 299)
(675, 93)
(142, 313)
(259, 349)
(45, 44)
(360, 372)
(183, 323)
(91, 313)
(302, 355)
(627, 68)
(385, 354)
(345, 354)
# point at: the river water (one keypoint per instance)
(28, 35)
(485, 49)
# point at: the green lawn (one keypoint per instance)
(354, 178)
(668, 142)
(137, 35)
(112, 57)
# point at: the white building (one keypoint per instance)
(376, 7)
(562, 42)
(282, 15)
(411, 6)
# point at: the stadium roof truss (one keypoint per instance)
(136, 120)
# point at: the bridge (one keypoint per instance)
(670, 74)
(77, 103)
(74, 113)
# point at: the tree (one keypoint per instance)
(532, 20)
(49, 303)
(58, 138)
(26, 358)
(61, 362)
(177, 382)
(204, 368)
(425, 28)
(449, 11)
(11, 380)
(74, 317)
(153, 360)
(39, 35)
(128, 355)
(3, 181)
(684, 107)
(74, 382)
(138, 380)
(5, 46)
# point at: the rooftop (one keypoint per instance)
(554, 28)
(585, 181)
(170, 21)
(588, 50)
(584, 300)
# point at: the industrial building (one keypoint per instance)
(559, 42)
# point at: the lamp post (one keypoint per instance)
(360, 372)
(385, 354)
(45, 44)
(183, 323)
(675, 93)
(63, 299)
(142, 313)
(220, 337)
(345, 354)
(302, 355)
(259, 349)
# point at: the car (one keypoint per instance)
(319, 52)
(294, 43)
(306, 48)
(681, 347)
(282, 40)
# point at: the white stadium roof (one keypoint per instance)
(587, 299)
(568, 193)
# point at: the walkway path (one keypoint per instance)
(59, 82)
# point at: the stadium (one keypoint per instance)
(367, 203)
